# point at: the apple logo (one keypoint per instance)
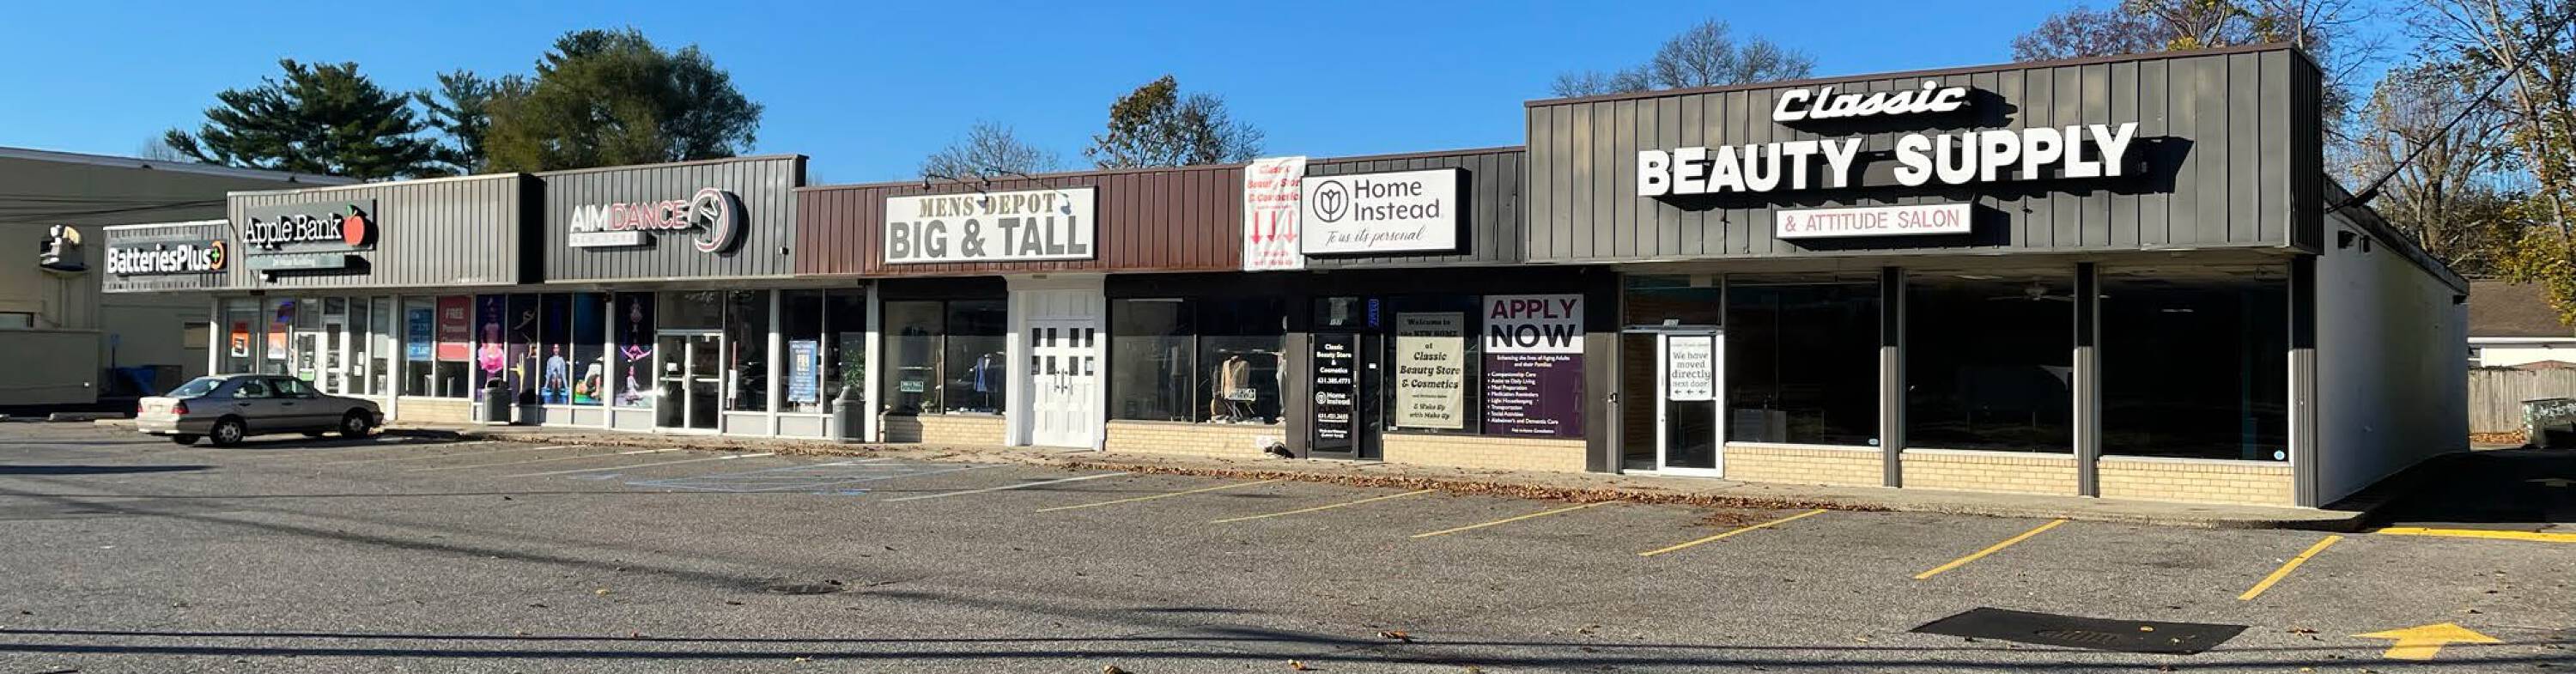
(353, 228)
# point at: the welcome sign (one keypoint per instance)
(1018, 226)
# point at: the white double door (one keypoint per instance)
(1064, 378)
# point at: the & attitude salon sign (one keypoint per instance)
(1017, 226)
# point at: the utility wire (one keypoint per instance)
(2371, 192)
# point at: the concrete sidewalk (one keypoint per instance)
(1577, 487)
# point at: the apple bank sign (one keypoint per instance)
(1372, 213)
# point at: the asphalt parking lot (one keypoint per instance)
(130, 554)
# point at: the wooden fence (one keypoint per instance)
(2496, 395)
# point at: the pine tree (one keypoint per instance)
(321, 118)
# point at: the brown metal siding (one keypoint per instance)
(2232, 144)
(765, 185)
(1177, 219)
(1491, 231)
(434, 234)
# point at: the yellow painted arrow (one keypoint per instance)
(2422, 642)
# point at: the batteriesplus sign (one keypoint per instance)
(167, 257)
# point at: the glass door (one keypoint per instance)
(688, 379)
(1687, 398)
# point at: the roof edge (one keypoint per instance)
(2371, 221)
(1063, 175)
(1935, 72)
(113, 161)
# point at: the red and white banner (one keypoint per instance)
(1273, 192)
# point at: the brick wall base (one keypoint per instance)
(944, 429)
(1997, 472)
(1858, 466)
(1477, 451)
(434, 411)
(1236, 441)
(2197, 482)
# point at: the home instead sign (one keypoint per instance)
(1368, 213)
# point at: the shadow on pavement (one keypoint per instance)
(2505, 489)
(92, 470)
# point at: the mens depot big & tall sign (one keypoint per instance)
(1018, 226)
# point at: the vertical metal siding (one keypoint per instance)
(433, 234)
(1176, 219)
(765, 185)
(2234, 131)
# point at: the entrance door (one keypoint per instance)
(1344, 376)
(1687, 399)
(688, 379)
(335, 354)
(1064, 401)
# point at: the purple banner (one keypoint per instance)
(1534, 395)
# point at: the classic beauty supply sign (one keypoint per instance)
(991, 227)
(1408, 211)
(1534, 365)
(1431, 370)
(1962, 158)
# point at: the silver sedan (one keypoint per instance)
(225, 409)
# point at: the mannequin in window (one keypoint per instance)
(1234, 393)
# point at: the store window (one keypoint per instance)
(632, 314)
(800, 333)
(237, 350)
(1989, 360)
(1197, 360)
(525, 364)
(382, 356)
(946, 357)
(273, 346)
(589, 366)
(747, 349)
(1432, 364)
(554, 349)
(1672, 301)
(2195, 363)
(845, 325)
(17, 320)
(1802, 360)
(1651, 303)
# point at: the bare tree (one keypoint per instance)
(1703, 55)
(989, 150)
(2436, 147)
(2084, 31)
(158, 149)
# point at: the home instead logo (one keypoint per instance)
(715, 214)
(182, 257)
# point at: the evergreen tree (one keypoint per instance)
(608, 98)
(321, 118)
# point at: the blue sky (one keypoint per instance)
(867, 89)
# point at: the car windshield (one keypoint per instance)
(196, 387)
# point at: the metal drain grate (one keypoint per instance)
(2047, 629)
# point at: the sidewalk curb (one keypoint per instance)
(1569, 487)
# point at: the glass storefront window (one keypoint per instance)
(524, 366)
(693, 310)
(1802, 360)
(1432, 371)
(976, 361)
(1671, 301)
(554, 349)
(800, 333)
(912, 353)
(1152, 345)
(240, 341)
(747, 345)
(845, 320)
(1989, 360)
(273, 338)
(420, 346)
(2195, 363)
(380, 371)
(589, 367)
(632, 314)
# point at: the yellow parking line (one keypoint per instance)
(1719, 537)
(1321, 507)
(2535, 536)
(1156, 496)
(2286, 568)
(1981, 554)
(1509, 520)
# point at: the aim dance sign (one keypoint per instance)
(1962, 158)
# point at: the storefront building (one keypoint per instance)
(2126, 278)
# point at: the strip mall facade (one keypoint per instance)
(2124, 278)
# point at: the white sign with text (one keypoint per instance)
(1407, 211)
(1271, 225)
(1821, 223)
(991, 227)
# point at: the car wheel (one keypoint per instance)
(184, 439)
(355, 425)
(227, 432)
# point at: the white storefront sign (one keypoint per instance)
(1962, 158)
(1823, 103)
(713, 214)
(1271, 223)
(991, 227)
(1820, 223)
(1382, 212)
(1690, 368)
(1431, 370)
